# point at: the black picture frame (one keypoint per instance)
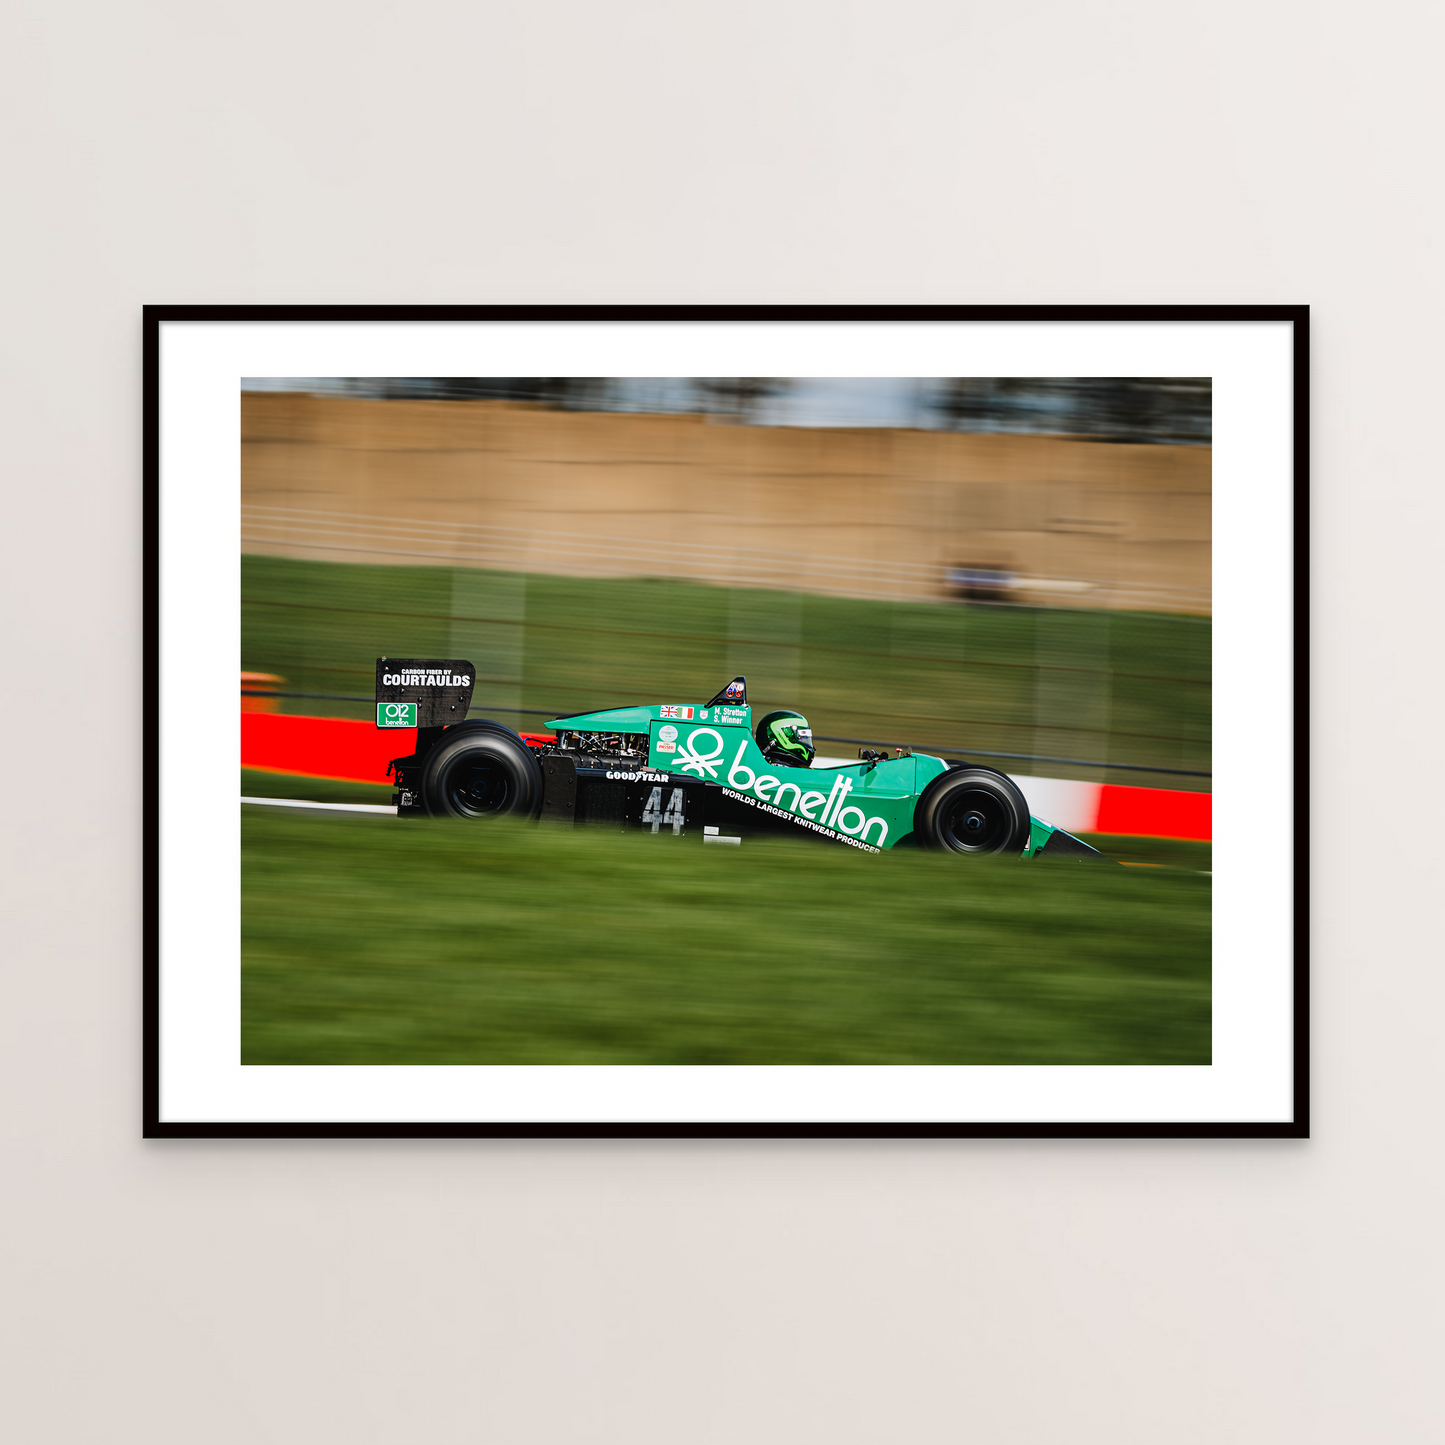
(156, 318)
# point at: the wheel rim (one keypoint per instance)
(976, 821)
(479, 786)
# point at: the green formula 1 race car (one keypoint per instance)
(703, 772)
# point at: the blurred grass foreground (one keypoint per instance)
(366, 941)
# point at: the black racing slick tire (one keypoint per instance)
(481, 770)
(972, 810)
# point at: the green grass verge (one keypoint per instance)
(368, 941)
(1115, 686)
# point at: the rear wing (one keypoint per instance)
(422, 692)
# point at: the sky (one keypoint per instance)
(809, 401)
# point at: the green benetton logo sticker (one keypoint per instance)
(396, 714)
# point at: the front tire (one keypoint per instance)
(481, 770)
(972, 810)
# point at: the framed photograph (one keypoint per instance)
(726, 721)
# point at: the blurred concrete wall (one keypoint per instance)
(861, 512)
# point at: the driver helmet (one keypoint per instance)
(786, 739)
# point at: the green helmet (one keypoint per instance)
(786, 739)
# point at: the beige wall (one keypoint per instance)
(865, 512)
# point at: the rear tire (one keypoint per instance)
(972, 810)
(481, 770)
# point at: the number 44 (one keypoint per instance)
(654, 814)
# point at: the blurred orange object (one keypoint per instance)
(251, 682)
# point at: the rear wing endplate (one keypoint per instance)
(422, 692)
